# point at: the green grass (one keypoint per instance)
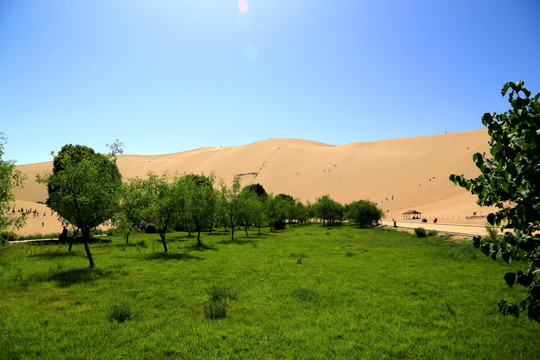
(303, 293)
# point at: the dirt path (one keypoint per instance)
(459, 229)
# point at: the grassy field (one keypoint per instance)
(305, 293)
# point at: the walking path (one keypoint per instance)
(43, 240)
(458, 229)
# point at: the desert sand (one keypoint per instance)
(398, 174)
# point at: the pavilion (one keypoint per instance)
(415, 214)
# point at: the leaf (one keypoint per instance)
(535, 292)
(485, 249)
(505, 88)
(476, 241)
(534, 313)
(513, 310)
(502, 307)
(491, 219)
(525, 280)
(510, 278)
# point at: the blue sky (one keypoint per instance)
(171, 75)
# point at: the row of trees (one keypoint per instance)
(192, 203)
(86, 189)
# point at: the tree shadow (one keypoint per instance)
(79, 241)
(71, 277)
(218, 232)
(169, 256)
(57, 255)
(238, 242)
(201, 247)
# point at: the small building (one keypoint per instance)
(412, 214)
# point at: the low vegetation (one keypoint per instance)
(355, 293)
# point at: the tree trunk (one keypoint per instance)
(245, 228)
(199, 243)
(162, 236)
(86, 238)
(127, 237)
(72, 239)
(232, 229)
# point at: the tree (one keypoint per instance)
(509, 181)
(165, 203)
(200, 201)
(83, 188)
(133, 201)
(253, 203)
(10, 178)
(364, 213)
(230, 201)
(328, 209)
(280, 209)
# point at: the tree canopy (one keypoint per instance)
(364, 213)
(328, 209)
(509, 181)
(83, 188)
(10, 178)
(200, 201)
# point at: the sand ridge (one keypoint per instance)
(398, 174)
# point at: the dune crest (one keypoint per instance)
(398, 174)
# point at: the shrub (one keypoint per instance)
(364, 213)
(6, 236)
(492, 233)
(304, 294)
(420, 232)
(3, 240)
(215, 309)
(432, 233)
(218, 293)
(120, 313)
(151, 228)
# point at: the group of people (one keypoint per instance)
(35, 213)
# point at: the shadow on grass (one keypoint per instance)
(238, 242)
(57, 254)
(71, 277)
(201, 247)
(79, 241)
(169, 256)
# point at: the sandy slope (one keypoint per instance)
(414, 171)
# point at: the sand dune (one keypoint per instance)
(398, 174)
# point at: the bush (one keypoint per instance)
(151, 228)
(420, 232)
(364, 213)
(6, 236)
(3, 240)
(120, 313)
(215, 309)
(218, 293)
(432, 233)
